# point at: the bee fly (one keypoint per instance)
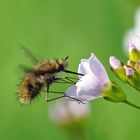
(42, 75)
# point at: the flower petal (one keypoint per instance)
(98, 69)
(89, 87)
(131, 47)
(84, 67)
(72, 92)
(132, 37)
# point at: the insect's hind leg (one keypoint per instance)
(71, 79)
(55, 98)
(63, 95)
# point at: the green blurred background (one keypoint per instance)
(55, 29)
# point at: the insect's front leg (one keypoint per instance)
(66, 80)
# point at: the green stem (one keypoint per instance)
(131, 104)
(76, 132)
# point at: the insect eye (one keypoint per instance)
(61, 66)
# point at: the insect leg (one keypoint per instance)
(47, 92)
(78, 100)
(48, 87)
(33, 59)
(64, 95)
(55, 98)
(62, 82)
(65, 80)
(71, 79)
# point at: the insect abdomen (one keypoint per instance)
(29, 88)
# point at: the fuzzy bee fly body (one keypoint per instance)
(41, 75)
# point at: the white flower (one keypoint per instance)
(133, 35)
(68, 112)
(91, 85)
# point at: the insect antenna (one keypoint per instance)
(33, 59)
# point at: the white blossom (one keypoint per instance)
(91, 85)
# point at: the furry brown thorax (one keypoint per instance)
(38, 77)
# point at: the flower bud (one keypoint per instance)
(137, 67)
(114, 93)
(117, 68)
(134, 53)
(134, 65)
(133, 77)
(114, 62)
(128, 71)
(131, 63)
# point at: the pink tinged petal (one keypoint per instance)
(133, 37)
(72, 92)
(89, 88)
(138, 62)
(98, 69)
(58, 108)
(131, 47)
(78, 110)
(129, 71)
(84, 67)
(114, 62)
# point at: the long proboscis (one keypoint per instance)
(67, 71)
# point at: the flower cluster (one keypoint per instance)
(93, 80)
(130, 71)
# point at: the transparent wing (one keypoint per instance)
(28, 54)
